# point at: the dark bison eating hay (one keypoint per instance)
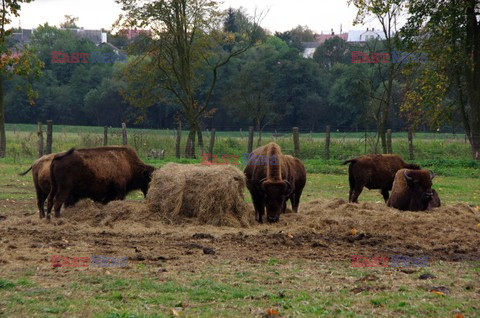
(412, 191)
(374, 172)
(102, 174)
(275, 180)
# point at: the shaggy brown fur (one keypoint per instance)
(374, 172)
(41, 181)
(102, 174)
(283, 177)
(412, 190)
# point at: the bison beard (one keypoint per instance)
(102, 174)
(273, 183)
(374, 172)
(412, 191)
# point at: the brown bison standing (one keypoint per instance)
(272, 179)
(374, 172)
(102, 174)
(41, 181)
(412, 191)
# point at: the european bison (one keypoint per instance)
(273, 180)
(41, 181)
(412, 191)
(374, 172)
(102, 174)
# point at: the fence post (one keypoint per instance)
(366, 136)
(250, 139)
(389, 141)
(410, 143)
(105, 135)
(327, 142)
(14, 129)
(40, 139)
(212, 143)
(49, 137)
(124, 134)
(177, 141)
(296, 142)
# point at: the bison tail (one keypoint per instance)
(348, 161)
(68, 153)
(24, 173)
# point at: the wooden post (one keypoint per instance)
(124, 134)
(465, 137)
(178, 140)
(40, 139)
(296, 142)
(48, 150)
(389, 141)
(410, 143)
(250, 139)
(327, 142)
(366, 136)
(105, 135)
(14, 129)
(212, 143)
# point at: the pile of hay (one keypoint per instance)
(211, 194)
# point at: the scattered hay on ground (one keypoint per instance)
(211, 194)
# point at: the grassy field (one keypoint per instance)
(256, 272)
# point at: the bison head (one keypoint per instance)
(146, 178)
(276, 194)
(420, 187)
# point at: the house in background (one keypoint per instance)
(353, 36)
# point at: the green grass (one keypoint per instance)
(299, 288)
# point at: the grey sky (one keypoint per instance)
(319, 15)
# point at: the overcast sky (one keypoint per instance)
(319, 15)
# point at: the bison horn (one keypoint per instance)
(407, 176)
(260, 185)
(432, 175)
(289, 187)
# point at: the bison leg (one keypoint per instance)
(295, 200)
(259, 205)
(356, 192)
(351, 181)
(385, 194)
(41, 204)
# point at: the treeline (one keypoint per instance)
(271, 87)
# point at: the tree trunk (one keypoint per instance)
(3, 138)
(259, 129)
(200, 140)
(190, 146)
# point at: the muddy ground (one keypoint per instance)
(322, 230)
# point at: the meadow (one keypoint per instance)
(300, 267)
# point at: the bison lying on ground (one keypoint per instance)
(412, 191)
(272, 183)
(102, 174)
(41, 181)
(374, 172)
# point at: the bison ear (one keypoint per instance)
(289, 189)
(432, 174)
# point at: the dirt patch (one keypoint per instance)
(323, 229)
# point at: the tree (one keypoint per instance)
(454, 27)
(334, 50)
(13, 63)
(296, 36)
(184, 54)
(69, 23)
(386, 12)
